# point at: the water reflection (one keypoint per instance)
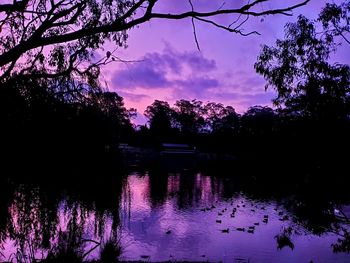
(182, 213)
(60, 224)
(195, 217)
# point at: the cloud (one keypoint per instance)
(172, 75)
(140, 75)
(258, 98)
(195, 60)
(196, 85)
(132, 96)
(168, 69)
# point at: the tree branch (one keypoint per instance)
(37, 39)
(227, 28)
(194, 27)
(17, 6)
(242, 10)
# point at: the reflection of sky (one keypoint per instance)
(194, 233)
(172, 68)
(196, 236)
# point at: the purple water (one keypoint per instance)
(171, 218)
(196, 236)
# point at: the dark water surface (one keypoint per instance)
(182, 215)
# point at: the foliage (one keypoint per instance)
(189, 116)
(220, 119)
(43, 127)
(160, 117)
(49, 38)
(335, 20)
(258, 120)
(298, 68)
(192, 117)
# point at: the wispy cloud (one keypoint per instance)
(170, 68)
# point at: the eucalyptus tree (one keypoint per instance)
(160, 117)
(300, 69)
(54, 38)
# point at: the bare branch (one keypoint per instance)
(232, 30)
(194, 27)
(243, 10)
(64, 13)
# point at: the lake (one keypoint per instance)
(180, 214)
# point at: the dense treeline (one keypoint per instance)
(65, 121)
(64, 126)
(260, 134)
(310, 125)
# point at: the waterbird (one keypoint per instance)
(256, 224)
(251, 231)
(219, 214)
(285, 218)
(225, 230)
(218, 221)
(240, 229)
(168, 232)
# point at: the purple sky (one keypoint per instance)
(172, 68)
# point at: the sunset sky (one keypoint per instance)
(170, 66)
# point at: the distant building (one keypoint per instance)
(177, 148)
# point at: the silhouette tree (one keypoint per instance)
(221, 119)
(161, 118)
(298, 68)
(258, 120)
(111, 105)
(47, 39)
(335, 20)
(189, 116)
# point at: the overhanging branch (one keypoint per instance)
(123, 23)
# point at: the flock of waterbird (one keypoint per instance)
(235, 207)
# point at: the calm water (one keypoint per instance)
(196, 235)
(162, 215)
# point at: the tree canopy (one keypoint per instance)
(52, 38)
(300, 70)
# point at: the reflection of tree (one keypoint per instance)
(32, 221)
(316, 209)
(187, 187)
(42, 221)
(283, 239)
(343, 242)
(158, 184)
